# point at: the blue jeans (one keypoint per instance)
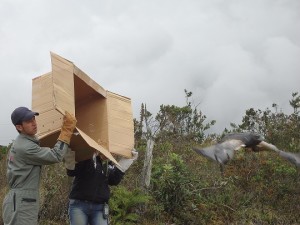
(85, 212)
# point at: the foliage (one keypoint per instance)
(187, 189)
(170, 183)
(124, 205)
(185, 122)
(3, 151)
(277, 127)
(55, 188)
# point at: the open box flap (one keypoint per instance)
(93, 144)
(83, 145)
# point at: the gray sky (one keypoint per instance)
(231, 54)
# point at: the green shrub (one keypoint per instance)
(171, 182)
(124, 205)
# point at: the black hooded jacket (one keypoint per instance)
(92, 184)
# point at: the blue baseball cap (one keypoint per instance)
(21, 114)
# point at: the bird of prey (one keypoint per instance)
(223, 151)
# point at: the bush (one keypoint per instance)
(124, 205)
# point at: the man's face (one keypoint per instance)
(28, 127)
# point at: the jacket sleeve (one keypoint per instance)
(71, 173)
(115, 176)
(35, 155)
(79, 168)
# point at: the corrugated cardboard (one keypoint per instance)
(104, 119)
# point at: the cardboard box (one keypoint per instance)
(104, 119)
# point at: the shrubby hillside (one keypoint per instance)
(171, 184)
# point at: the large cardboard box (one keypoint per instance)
(104, 119)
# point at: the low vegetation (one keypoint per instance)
(185, 188)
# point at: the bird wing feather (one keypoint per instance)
(224, 151)
(221, 152)
(294, 158)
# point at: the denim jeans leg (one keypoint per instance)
(78, 212)
(97, 215)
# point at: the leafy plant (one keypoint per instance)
(171, 182)
(124, 205)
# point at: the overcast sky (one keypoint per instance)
(232, 54)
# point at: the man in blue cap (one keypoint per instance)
(24, 163)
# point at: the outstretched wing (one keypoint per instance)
(294, 158)
(221, 152)
(224, 151)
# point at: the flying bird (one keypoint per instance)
(223, 151)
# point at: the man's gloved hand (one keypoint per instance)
(69, 123)
(126, 163)
(69, 159)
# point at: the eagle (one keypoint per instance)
(223, 151)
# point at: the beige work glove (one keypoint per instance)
(69, 123)
(69, 159)
(125, 163)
